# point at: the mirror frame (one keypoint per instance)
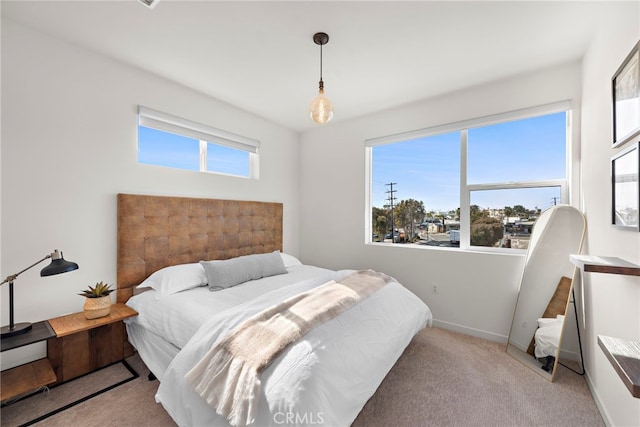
(515, 351)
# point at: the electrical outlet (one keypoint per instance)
(435, 289)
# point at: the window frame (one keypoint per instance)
(465, 189)
(205, 134)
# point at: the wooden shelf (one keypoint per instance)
(76, 322)
(625, 357)
(75, 346)
(610, 265)
(26, 378)
(84, 345)
(40, 331)
(622, 354)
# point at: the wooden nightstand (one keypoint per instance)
(31, 376)
(82, 346)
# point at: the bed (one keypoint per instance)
(323, 378)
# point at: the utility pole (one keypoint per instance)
(555, 199)
(391, 199)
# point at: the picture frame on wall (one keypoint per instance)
(625, 191)
(626, 98)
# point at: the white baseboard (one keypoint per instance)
(470, 331)
(596, 398)
(570, 355)
(564, 354)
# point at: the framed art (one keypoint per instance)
(626, 98)
(625, 192)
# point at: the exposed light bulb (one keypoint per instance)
(321, 110)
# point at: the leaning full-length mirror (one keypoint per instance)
(539, 317)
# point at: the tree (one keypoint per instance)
(507, 211)
(521, 211)
(380, 221)
(476, 213)
(486, 231)
(408, 213)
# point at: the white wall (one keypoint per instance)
(69, 130)
(477, 291)
(612, 303)
(69, 145)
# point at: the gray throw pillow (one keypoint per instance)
(234, 271)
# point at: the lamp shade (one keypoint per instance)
(58, 265)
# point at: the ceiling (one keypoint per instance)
(260, 56)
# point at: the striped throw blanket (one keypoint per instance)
(228, 376)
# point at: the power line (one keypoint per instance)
(391, 199)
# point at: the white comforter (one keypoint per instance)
(325, 378)
(547, 336)
(177, 317)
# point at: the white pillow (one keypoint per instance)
(175, 278)
(289, 260)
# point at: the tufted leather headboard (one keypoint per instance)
(159, 231)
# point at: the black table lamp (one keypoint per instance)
(58, 265)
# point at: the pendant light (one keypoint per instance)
(321, 109)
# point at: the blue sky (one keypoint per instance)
(428, 168)
(161, 148)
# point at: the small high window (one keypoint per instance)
(169, 141)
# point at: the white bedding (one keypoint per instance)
(177, 317)
(156, 352)
(547, 336)
(325, 378)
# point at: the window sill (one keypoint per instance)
(477, 250)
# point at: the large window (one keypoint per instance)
(478, 183)
(165, 140)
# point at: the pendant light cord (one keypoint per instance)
(321, 63)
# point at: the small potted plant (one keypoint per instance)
(98, 302)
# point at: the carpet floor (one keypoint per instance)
(27, 411)
(449, 379)
(442, 379)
